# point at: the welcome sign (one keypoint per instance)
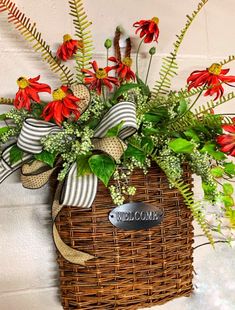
(136, 216)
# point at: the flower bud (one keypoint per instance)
(108, 43)
(152, 50)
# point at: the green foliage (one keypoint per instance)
(4, 130)
(217, 172)
(228, 189)
(103, 167)
(229, 169)
(16, 154)
(114, 131)
(83, 167)
(210, 148)
(144, 88)
(2, 117)
(83, 33)
(169, 66)
(123, 89)
(180, 145)
(136, 153)
(46, 157)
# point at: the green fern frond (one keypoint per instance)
(81, 24)
(226, 61)
(31, 34)
(194, 91)
(195, 207)
(169, 66)
(7, 101)
(205, 108)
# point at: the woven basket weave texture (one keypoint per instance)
(131, 269)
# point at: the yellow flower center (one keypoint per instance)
(155, 20)
(101, 74)
(67, 37)
(22, 82)
(215, 69)
(58, 94)
(127, 61)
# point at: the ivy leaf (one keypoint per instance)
(209, 190)
(16, 154)
(210, 148)
(190, 133)
(114, 131)
(228, 201)
(217, 172)
(103, 167)
(228, 189)
(123, 89)
(145, 89)
(4, 130)
(229, 168)
(83, 167)
(46, 157)
(2, 117)
(181, 145)
(147, 144)
(182, 106)
(131, 151)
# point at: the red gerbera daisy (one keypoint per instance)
(123, 68)
(99, 77)
(227, 141)
(148, 29)
(212, 77)
(28, 90)
(64, 105)
(68, 48)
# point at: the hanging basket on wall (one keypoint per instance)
(131, 269)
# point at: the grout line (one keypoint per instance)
(28, 291)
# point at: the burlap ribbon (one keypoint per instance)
(74, 191)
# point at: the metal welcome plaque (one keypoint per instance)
(136, 216)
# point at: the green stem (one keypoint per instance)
(107, 55)
(103, 93)
(147, 75)
(137, 57)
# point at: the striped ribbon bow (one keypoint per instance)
(74, 191)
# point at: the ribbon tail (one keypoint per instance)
(70, 254)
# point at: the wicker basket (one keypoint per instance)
(132, 269)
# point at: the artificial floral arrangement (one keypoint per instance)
(105, 122)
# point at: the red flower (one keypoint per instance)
(68, 48)
(99, 77)
(227, 141)
(212, 77)
(28, 90)
(123, 68)
(64, 105)
(149, 29)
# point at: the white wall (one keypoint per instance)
(28, 278)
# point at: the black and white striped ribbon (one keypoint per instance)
(77, 191)
(123, 111)
(6, 168)
(32, 132)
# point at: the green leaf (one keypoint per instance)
(103, 167)
(123, 89)
(83, 167)
(144, 88)
(181, 145)
(16, 154)
(2, 117)
(190, 133)
(210, 148)
(147, 145)
(209, 191)
(228, 201)
(114, 131)
(183, 106)
(149, 131)
(152, 118)
(46, 157)
(217, 172)
(131, 151)
(4, 130)
(228, 189)
(229, 168)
